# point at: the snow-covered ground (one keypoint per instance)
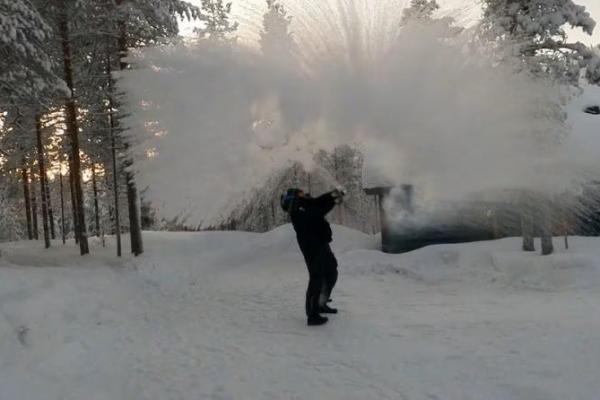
(220, 316)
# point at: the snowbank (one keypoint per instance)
(231, 251)
(498, 262)
(578, 268)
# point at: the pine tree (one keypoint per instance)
(534, 31)
(82, 42)
(421, 10)
(143, 22)
(26, 68)
(28, 84)
(43, 179)
(11, 226)
(421, 13)
(64, 20)
(216, 17)
(276, 39)
(17, 140)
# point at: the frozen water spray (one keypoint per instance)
(424, 107)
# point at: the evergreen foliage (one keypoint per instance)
(534, 31)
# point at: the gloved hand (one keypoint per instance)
(338, 195)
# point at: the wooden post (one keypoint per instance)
(381, 193)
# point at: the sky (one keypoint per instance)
(248, 13)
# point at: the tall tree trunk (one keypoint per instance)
(108, 183)
(96, 208)
(27, 196)
(135, 226)
(62, 210)
(73, 130)
(133, 205)
(50, 211)
(546, 227)
(113, 153)
(547, 245)
(42, 169)
(273, 215)
(73, 203)
(34, 216)
(527, 228)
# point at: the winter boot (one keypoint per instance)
(316, 320)
(327, 310)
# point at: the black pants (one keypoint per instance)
(322, 275)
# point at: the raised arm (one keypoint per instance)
(323, 204)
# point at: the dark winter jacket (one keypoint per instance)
(308, 218)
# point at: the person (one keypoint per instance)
(314, 236)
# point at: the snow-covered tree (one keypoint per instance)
(420, 10)
(215, 14)
(531, 34)
(11, 221)
(276, 39)
(136, 16)
(17, 141)
(26, 68)
(56, 64)
(151, 21)
(421, 13)
(534, 31)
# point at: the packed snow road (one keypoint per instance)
(220, 316)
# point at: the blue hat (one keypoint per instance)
(289, 198)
